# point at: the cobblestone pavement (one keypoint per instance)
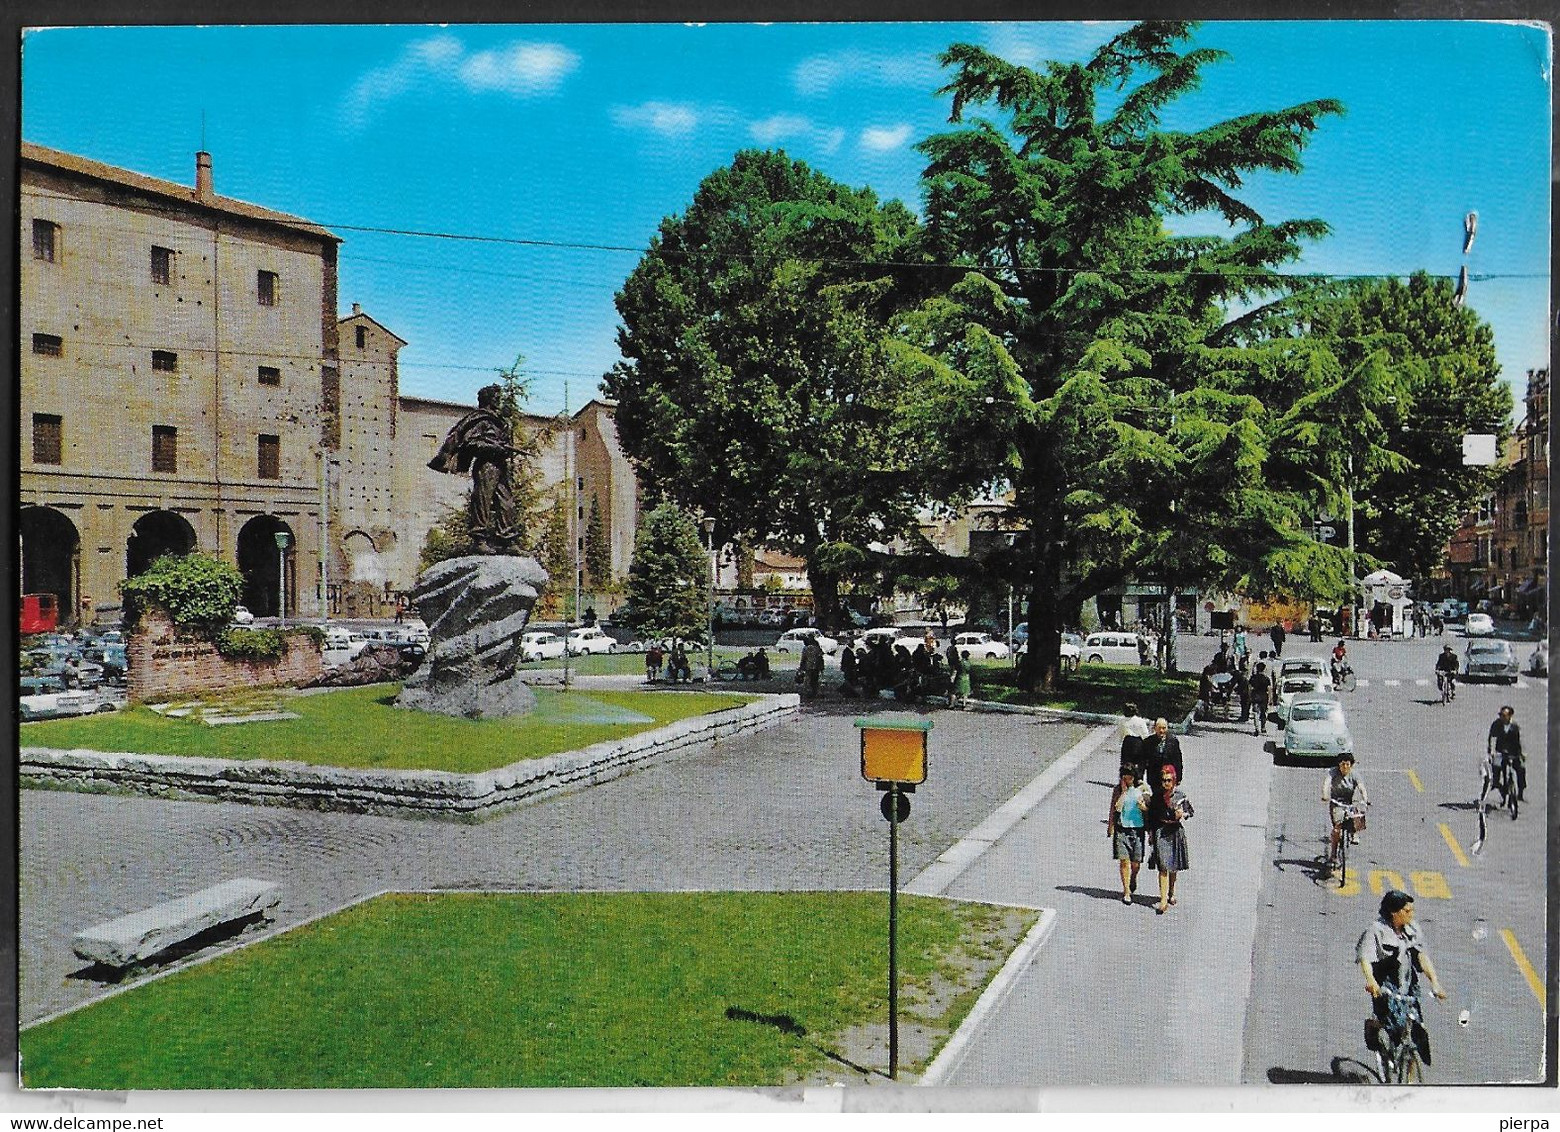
(782, 809)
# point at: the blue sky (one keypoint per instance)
(591, 134)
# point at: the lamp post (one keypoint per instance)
(1010, 537)
(708, 523)
(283, 539)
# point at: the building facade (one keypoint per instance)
(187, 384)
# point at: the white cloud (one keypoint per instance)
(819, 74)
(673, 119)
(878, 139)
(1034, 44)
(520, 68)
(769, 130)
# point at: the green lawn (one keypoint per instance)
(530, 990)
(1099, 688)
(361, 727)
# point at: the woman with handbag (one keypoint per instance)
(1168, 808)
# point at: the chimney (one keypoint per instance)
(203, 176)
(357, 308)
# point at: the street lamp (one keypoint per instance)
(708, 523)
(1010, 537)
(282, 541)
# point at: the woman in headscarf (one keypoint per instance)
(1167, 810)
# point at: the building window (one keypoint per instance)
(46, 240)
(165, 448)
(266, 286)
(270, 375)
(162, 265)
(362, 337)
(165, 361)
(48, 431)
(270, 457)
(51, 345)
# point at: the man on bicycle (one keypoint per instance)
(1391, 953)
(1505, 740)
(1342, 789)
(1446, 668)
(1340, 662)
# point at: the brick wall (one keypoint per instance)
(164, 663)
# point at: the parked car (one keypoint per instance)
(1111, 648)
(341, 646)
(1316, 666)
(541, 646)
(980, 644)
(1021, 633)
(792, 640)
(54, 705)
(112, 659)
(1538, 663)
(1490, 659)
(1316, 728)
(589, 640)
(1479, 625)
(1295, 686)
(1069, 655)
(242, 616)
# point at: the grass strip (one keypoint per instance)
(1101, 688)
(361, 727)
(532, 990)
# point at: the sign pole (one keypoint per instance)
(893, 932)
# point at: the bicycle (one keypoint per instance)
(1399, 1059)
(1448, 685)
(1349, 826)
(1504, 779)
(1344, 679)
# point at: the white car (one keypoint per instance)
(1538, 663)
(1490, 660)
(1111, 648)
(887, 634)
(1479, 625)
(1316, 729)
(590, 640)
(242, 616)
(792, 640)
(541, 646)
(1317, 666)
(53, 705)
(1294, 686)
(980, 644)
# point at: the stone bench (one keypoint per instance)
(140, 935)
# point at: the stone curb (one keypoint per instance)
(397, 793)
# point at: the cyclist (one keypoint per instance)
(1446, 668)
(1341, 789)
(1391, 953)
(1505, 740)
(1340, 662)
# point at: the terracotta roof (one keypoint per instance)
(172, 190)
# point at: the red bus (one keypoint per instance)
(40, 613)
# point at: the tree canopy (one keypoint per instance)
(761, 385)
(667, 587)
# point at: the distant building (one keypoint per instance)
(187, 384)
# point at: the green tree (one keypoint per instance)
(556, 555)
(199, 592)
(598, 552)
(1083, 355)
(762, 387)
(668, 581)
(449, 537)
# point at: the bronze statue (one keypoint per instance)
(482, 442)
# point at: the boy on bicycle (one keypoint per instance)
(1342, 789)
(1340, 662)
(1445, 667)
(1391, 953)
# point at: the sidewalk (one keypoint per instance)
(1118, 995)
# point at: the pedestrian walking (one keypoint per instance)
(1278, 638)
(1168, 809)
(959, 670)
(1261, 692)
(811, 666)
(1126, 827)
(1243, 690)
(1314, 624)
(1162, 748)
(1242, 648)
(1134, 729)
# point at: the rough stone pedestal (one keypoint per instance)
(476, 609)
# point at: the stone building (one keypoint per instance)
(186, 384)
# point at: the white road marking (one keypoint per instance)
(1390, 684)
(1419, 683)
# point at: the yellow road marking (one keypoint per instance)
(1533, 981)
(1382, 879)
(1419, 786)
(1451, 843)
(1430, 885)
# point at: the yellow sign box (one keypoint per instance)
(893, 750)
